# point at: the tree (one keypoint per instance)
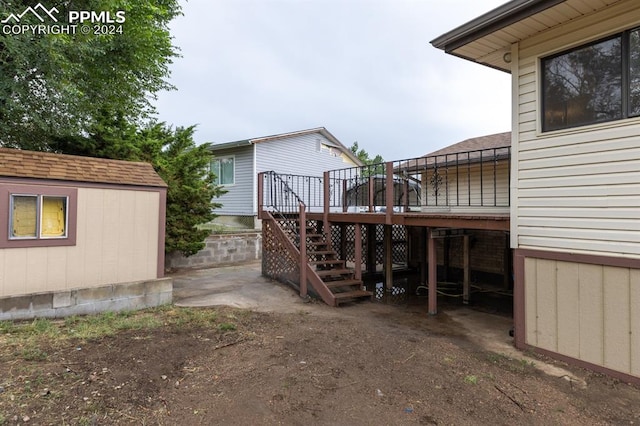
(89, 94)
(58, 85)
(185, 168)
(373, 165)
(179, 162)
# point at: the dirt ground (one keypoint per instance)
(365, 364)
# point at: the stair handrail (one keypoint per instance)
(289, 206)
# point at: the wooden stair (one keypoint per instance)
(332, 271)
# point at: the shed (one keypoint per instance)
(79, 235)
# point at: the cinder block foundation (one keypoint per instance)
(114, 297)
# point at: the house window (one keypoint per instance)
(595, 83)
(37, 216)
(224, 170)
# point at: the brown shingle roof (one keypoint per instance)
(497, 140)
(480, 149)
(46, 165)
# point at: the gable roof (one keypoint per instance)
(263, 139)
(480, 149)
(46, 165)
(497, 140)
(487, 39)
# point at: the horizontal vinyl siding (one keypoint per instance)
(577, 189)
(306, 155)
(239, 198)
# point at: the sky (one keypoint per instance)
(363, 69)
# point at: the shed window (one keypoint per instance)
(24, 219)
(224, 170)
(38, 216)
(595, 83)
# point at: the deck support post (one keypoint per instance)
(303, 251)
(423, 255)
(507, 264)
(466, 278)
(344, 196)
(389, 189)
(260, 194)
(388, 257)
(371, 194)
(372, 248)
(326, 201)
(358, 251)
(433, 273)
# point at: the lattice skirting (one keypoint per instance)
(277, 263)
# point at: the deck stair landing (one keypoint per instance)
(331, 272)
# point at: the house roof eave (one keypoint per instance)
(323, 131)
(496, 19)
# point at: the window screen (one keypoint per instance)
(24, 216)
(54, 213)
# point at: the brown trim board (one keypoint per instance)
(519, 303)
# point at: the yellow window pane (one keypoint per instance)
(54, 213)
(24, 216)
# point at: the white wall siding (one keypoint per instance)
(239, 198)
(577, 189)
(307, 155)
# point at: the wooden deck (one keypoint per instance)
(482, 221)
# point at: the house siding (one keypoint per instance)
(308, 155)
(575, 203)
(239, 200)
(578, 189)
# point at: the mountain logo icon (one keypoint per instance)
(38, 11)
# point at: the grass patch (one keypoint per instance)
(512, 364)
(27, 338)
(33, 352)
(471, 379)
(227, 326)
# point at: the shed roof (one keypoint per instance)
(46, 165)
(487, 38)
(324, 132)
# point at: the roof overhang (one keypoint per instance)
(487, 39)
(321, 130)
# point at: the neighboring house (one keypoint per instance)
(237, 164)
(473, 177)
(79, 235)
(472, 174)
(575, 187)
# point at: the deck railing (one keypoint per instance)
(475, 179)
(281, 192)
